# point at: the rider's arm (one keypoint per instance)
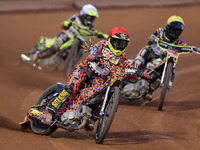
(67, 23)
(99, 34)
(102, 35)
(180, 42)
(95, 50)
(152, 39)
(130, 70)
(138, 72)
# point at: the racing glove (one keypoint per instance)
(102, 36)
(163, 53)
(138, 72)
(91, 58)
(151, 40)
(143, 74)
(65, 25)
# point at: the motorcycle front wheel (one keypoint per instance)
(36, 126)
(106, 119)
(165, 86)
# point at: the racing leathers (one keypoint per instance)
(71, 29)
(151, 53)
(93, 72)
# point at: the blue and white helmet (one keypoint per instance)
(89, 13)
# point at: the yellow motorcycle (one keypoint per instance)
(164, 68)
(69, 53)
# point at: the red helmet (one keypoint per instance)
(118, 40)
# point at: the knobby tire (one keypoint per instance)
(165, 86)
(105, 121)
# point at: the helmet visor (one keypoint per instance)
(176, 25)
(176, 32)
(119, 44)
(90, 18)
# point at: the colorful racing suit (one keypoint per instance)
(94, 73)
(150, 52)
(70, 30)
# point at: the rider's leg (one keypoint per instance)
(140, 61)
(144, 56)
(88, 95)
(61, 39)
(73, 84)
(153, 87)
(51, 109)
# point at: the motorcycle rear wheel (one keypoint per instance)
(38, 127)
(165, 86)
(106, 119)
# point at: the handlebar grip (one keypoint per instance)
(143, 74)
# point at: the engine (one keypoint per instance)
(76, 116)
(135, 90)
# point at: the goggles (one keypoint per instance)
(90, 18)
(119, 44)
(175, 31)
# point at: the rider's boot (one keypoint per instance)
(149, 96)
(43, 117)
(152, 88)
(51, 109)
(90, 125)
(47, 52)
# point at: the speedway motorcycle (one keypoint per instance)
(69, 53)
(101, 108)
(162, 69)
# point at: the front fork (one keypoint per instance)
(172, 75)
(104, 101)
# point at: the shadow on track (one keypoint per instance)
(139, 137)
(122, 138)
(169, 105)
(81, 135)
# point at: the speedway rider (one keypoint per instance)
(171, 34)
(91, 69)
(85, 19)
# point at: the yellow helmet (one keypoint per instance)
(173, 29)
(118, 40)
(175, 19)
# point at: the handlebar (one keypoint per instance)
(196, 50)
(176, 48)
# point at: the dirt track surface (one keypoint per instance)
(135, 127)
